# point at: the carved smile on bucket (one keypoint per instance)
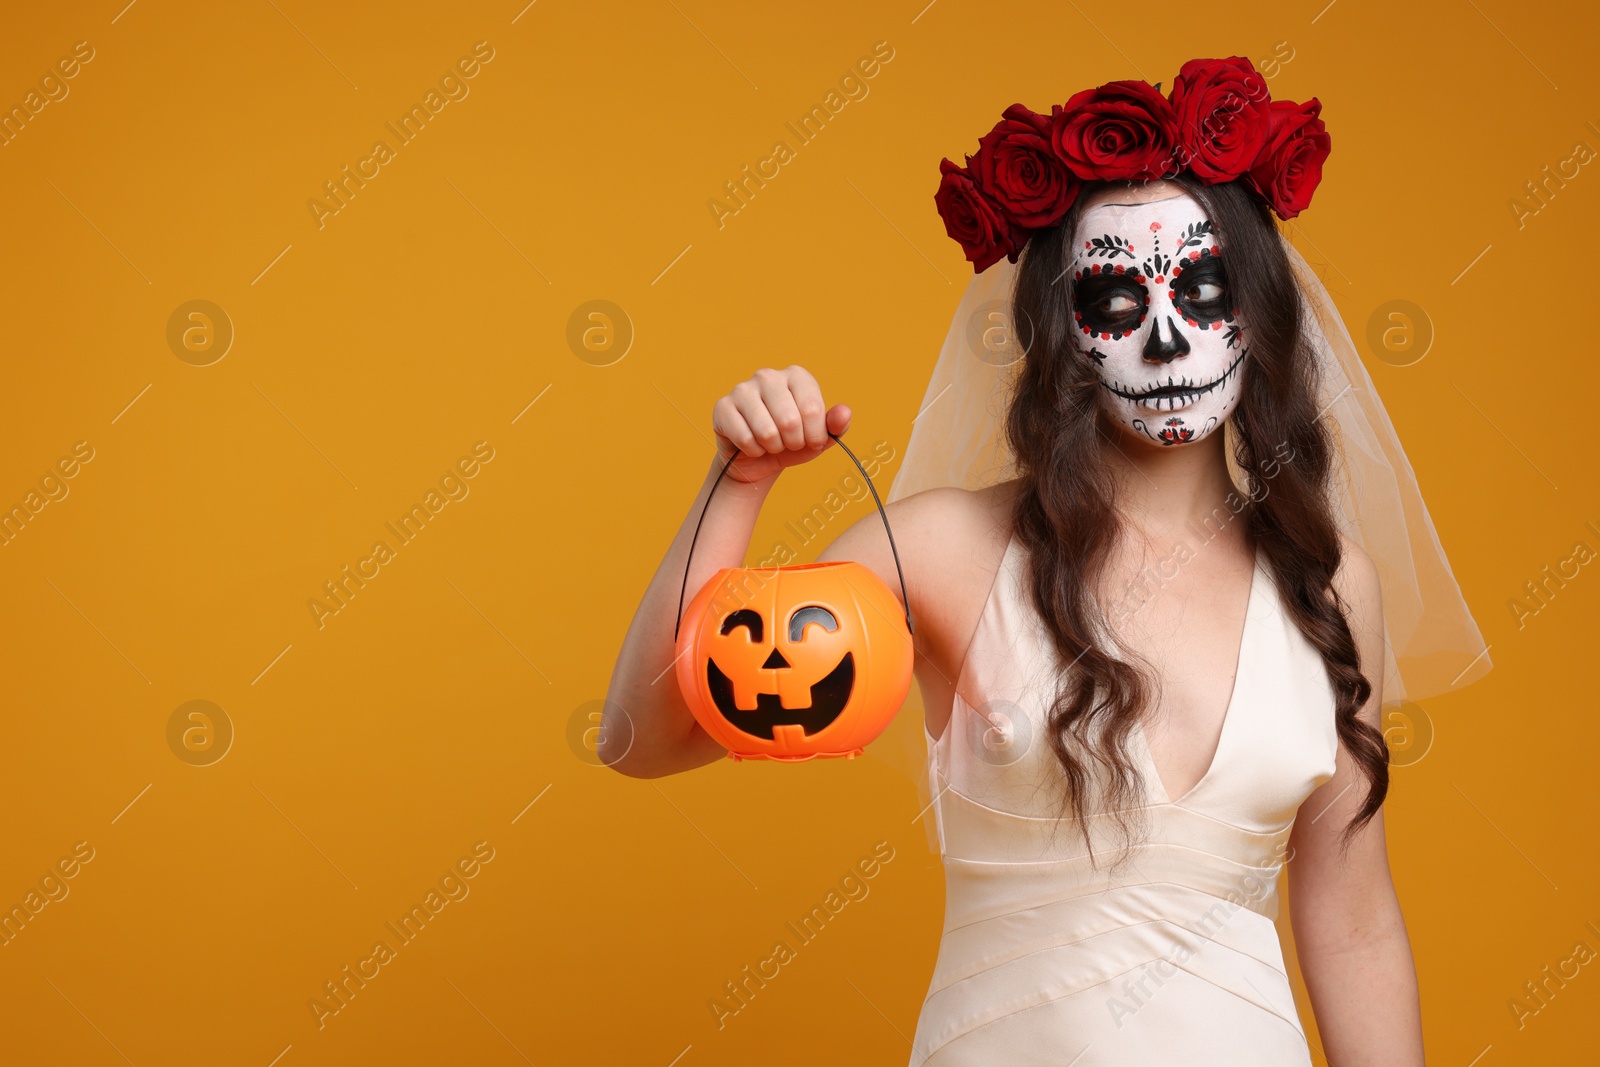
(828, 698)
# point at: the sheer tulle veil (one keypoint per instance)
(1433, 643)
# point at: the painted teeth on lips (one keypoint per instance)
(1169, 401)
(1173, 395)
(1168, 397)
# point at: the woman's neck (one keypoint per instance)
(1166, 492)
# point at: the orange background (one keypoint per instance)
(445, 704)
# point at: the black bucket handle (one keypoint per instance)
(881, 514)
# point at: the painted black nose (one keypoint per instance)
(775, 660)
(1158, 351)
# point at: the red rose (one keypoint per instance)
(1017, 169)
(977, 223)
(1221, 107)
(1290, 164)
(1123, 129)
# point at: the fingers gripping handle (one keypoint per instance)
(881, 514)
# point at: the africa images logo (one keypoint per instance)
(407, 128)
(339, 991)
(452, 486)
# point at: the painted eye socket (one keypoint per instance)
(750, 620)
(1202, 292)
(1109, 303)
(812, 613)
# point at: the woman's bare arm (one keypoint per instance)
(776, 419)
(1348, 930)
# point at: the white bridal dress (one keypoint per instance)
(1171, 959)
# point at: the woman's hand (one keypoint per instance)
(777, 419)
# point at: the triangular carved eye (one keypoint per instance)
(747, 618)
(809, 614)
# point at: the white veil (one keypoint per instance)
(1433, 643)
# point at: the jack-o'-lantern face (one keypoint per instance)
(811, 637)
(794, 662)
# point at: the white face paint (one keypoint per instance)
(1153, 310)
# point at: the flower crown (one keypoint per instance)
(1219, 123)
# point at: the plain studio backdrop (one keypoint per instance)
(264, 347)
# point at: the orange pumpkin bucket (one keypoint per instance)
(792, 663)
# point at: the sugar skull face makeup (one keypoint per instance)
(1153, 310)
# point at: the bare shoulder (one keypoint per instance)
(941, 531)
(1357, 584)
(1357, 580)
(951, 542)
(959, 521)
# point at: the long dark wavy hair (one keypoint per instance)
(1068, 520)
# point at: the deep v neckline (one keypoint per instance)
(1228, 712)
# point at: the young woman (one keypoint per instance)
(1151, 679)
